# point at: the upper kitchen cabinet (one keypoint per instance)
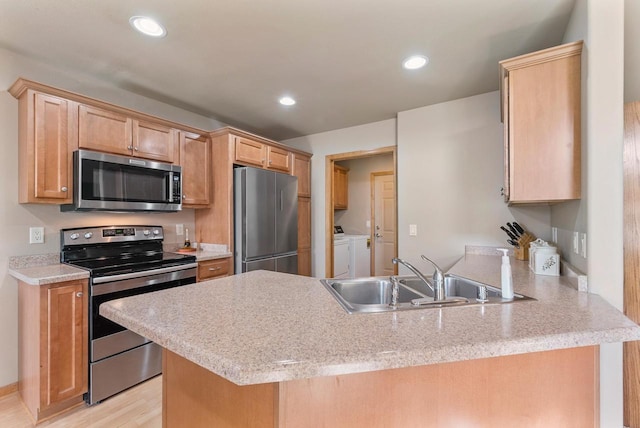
(107, 131)
(53, 123)
(195, 159)
(340, 187)
(252, 152)
(541, 114)
(302, 170)
(45, 146)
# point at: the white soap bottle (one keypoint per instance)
(506, 279)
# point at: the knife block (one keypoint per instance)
(522, 252)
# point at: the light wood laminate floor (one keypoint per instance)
(140, 406)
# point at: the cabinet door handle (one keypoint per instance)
(135, 148)
(64, 188)
(270, 161)
(184, 196)
(79, 294)
(129, 147)
(214, 269)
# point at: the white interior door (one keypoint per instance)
(384, 224)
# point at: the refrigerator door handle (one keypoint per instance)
(281, 200)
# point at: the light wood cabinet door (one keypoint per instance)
(52, 178)
(340, 187)
(216, 268)
(104, 131)
(195, 159)
(304, 236)
(249, 152)
(278, 159)
(153, 141)
(541, 113)
(302, 170)
(67, 335)
(52, 346)
(304, 222)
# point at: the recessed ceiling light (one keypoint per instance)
(287, 101)
(415, 62)
(147, 26)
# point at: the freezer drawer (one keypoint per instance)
(286, 264)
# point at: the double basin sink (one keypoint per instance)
(374, 294)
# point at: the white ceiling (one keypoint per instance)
(341, 59)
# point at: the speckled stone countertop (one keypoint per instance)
(267, 327)
(48, 274)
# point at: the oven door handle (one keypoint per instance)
(140, 274)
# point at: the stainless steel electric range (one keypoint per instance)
(122, 261)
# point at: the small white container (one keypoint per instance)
(544, 258)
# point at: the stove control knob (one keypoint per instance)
(156, 232)
(74, 236)
(88, 235)
(146, 232)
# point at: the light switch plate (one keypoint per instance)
(413, 230)
(179, 229)
(583, 245)
(576, 243)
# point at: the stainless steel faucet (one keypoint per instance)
(438, 281)
(438, 277)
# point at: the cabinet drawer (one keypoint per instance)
(213, 268)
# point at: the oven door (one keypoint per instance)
(110, 182)
(108, 338)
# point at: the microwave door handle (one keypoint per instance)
(171, 187)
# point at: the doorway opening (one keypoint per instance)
(358, 171)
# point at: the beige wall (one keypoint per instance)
(631, 51)
(15, 219)
(354, 219)
(450, 171)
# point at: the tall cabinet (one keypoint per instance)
(541, 114)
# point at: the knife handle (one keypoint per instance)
(511, 235)
(513, 230)
(518, 227)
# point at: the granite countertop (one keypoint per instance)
(48, 274)
(202, 255)
(264, 326)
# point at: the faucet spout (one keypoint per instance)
(417, 273)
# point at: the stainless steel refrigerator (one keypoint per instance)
(266, 220)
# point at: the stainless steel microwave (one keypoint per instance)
(108, 182)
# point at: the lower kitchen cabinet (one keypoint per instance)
(216, 268)
(52, 346)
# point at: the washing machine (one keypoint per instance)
(359, 255)
(340, 257)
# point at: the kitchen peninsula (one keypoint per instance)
(271, 349)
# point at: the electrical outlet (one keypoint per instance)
(583, 245)
(179, 229)
(576, 243)
(413, 230)
(36, 235)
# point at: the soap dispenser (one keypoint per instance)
(506, 279)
